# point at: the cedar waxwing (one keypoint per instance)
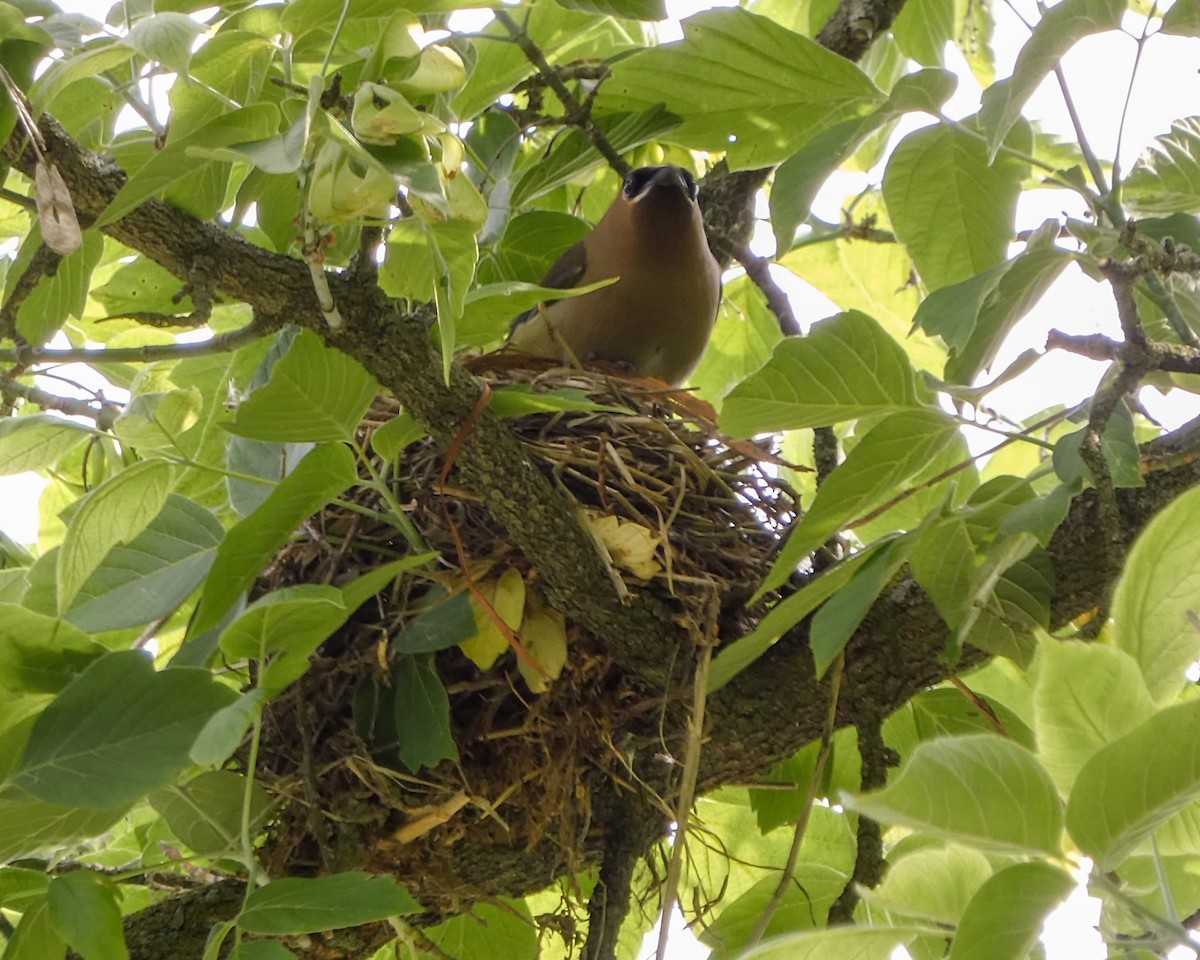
(656, 319)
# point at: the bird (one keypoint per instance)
(656, 319)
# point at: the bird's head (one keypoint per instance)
(658, 202)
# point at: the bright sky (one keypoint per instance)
(1098, 71)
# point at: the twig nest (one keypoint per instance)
(536, 707)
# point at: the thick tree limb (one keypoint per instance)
(543, 519)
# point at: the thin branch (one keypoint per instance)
(28, 204)
(1168, 357)
(758, 269)
(691, 770)
(220, 343)
(1089, 155)
(579, 113)
(102, 413)
(869, 864)
(1133, 71)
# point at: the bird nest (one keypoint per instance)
(682, 512)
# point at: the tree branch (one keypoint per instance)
(578, 114)
(102, 413)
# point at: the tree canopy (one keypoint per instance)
(346, 636)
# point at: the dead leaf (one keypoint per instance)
(56, 211)
(633, 548)
(544, 635)
(506, 594)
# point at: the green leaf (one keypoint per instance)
(630, 9)
(838, 943)
(1154, 607)
(315, 393)
(154, 421)
(98, 55)
(114, 513)
(1011, 588)
(40, 654)
(1166, 178)
(1060, 28)
(574, 156)
(153, 574)
(531, 243)
(206, 812)
(142, 286)
(836, 621)
(166, 38)
(737, 656)
(975, 316)
(261, 950)
(321, 476)
(35, 938)
(847, 367)
(37, 442)
(256, 122)
(489, 310)
(1134, 785)
(933, 883)
(361, 589)
(286, 626)
(225, 729)
(28, 826)
(785, 800)
(117, 732)
(505, 929)
(876, 469)
(59, 296)
(444, 624)
(745, 333)
(423, 737)
(1086, 695)
(396, 436)
(294, 906)
(946, 712)
(519, 399)
(801, 176)
(981, 790)
(455, 253)
(1182, 19)
(743, 84)
(84, 913)
(923, 29)
(952, 208)
(1004, 918)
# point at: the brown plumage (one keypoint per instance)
(656, 319)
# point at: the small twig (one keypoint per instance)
(869, 863)
(1133, 71)
(687, 789)
(758, 269)
(102, 414)
(1169, 357)
(220, 343)
(579, 113)
(19, 199)
(1089, 155)
(818, 774)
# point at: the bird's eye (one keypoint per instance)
(635, 183)
(690, 182)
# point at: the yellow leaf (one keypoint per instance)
(631, 546)
(544, 636)
(506, 594)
